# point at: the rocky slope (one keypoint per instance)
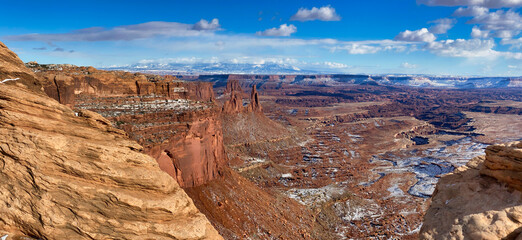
(13, 71)
(468, 205)
(69, 177)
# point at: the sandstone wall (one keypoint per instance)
(76, 177)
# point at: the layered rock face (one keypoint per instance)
(76, 177)
(13, 71)
(468, 205)
(195, 155)
(70, 84)
(176, 122)
(504, 162)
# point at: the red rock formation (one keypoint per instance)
(235, 102)
(66, 83)
(195, 156)
(176, 122)
(254, 105)
(71, 175)
(233, 85)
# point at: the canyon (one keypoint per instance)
(254, 156)
(70, 175)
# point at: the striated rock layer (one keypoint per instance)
(504, 162)
(13, 71)
(69, 177)
(468, 205)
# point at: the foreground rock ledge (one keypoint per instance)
(69, 177)
(468, 205)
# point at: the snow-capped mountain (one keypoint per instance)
(311, 77)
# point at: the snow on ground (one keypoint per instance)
(9, 79)
(314, 196)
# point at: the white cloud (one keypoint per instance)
(477, 33)
(408, 65)
(325, 13)
(515, 43)
(369, 47)
(471, 48)
(283, 31)
(442, 25)
(125, 33)
(482, 3)
(361, 49)
(470, 11)
(502, 24)
(205, 25)
(421, 35)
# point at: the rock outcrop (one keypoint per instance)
(13, 71)
(75, 177)
(468, 205)
(504, 162)
(254, 105)
(235, 103)
(195, 155)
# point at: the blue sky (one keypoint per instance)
(451, 37)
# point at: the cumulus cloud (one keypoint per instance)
(470, 11)
(282, 31)
(421, 35)
(124, 33)
(482, 3)
(442, 25)
(470, 48)
(502, 24)
(206, 25)
(477, 33)
(325, 13)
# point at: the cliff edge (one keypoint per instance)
(71, 175)
(479, 200)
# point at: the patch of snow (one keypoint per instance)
(4, 237)
(286, 175)
(395, 191)
(313, 196)
(7, 80)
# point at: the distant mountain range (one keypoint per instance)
(216, 68)
(218, 72)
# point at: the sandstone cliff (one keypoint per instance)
(176, 122)
(69, 177)
(504, 162)
(468, 205)
(70, 84)
(13, 71)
